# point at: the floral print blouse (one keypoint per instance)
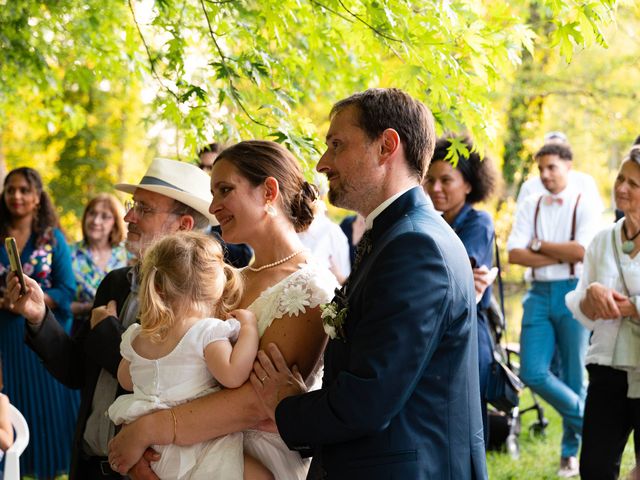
(88, 274)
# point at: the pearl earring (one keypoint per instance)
(270, 209)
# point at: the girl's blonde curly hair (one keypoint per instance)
(181, 274)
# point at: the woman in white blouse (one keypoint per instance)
(607, 302)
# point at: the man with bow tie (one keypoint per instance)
(550, 234)
(400, 394)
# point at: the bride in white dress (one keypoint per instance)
(306, 288)
(260, 198)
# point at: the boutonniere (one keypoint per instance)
(334, 315)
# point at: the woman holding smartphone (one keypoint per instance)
(27, 214)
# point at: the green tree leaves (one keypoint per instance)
(232, 69)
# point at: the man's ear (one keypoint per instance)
(389, 144)
(271, 189)
(186, 223)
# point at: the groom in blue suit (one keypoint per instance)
(400, 396)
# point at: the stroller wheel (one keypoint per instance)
(538, 429)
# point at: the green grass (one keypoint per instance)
(61, 477)
(539, 455)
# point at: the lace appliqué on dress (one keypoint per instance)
(307, 287)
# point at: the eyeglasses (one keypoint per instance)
(140, 209)
(102, 216)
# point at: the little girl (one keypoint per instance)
(181, 351)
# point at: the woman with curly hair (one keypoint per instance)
(26, 213)
(453, 191)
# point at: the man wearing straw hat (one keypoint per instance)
(171, 196)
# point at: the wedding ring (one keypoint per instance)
(263, 379)
(114, 466)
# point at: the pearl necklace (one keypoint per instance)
(276, 263)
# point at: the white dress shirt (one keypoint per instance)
(554, 225)
(327, 242)
(368, 222)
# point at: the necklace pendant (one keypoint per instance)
(627, 247)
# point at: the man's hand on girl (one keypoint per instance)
(273, 381)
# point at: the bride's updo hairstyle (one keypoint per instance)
(257, 160)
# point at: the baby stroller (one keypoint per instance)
(505, 423)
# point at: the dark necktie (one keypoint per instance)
(362, 249)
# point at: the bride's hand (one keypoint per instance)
(127, 448)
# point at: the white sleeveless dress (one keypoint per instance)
(180, 376)
(308, 287)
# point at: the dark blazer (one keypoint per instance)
(237, 254)
(76, 361)
(400, 397)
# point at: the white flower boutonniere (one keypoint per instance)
(334, 316)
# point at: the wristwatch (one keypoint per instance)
(535, 245)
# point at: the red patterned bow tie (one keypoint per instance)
(550, 200)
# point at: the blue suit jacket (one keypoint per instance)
(400, 397)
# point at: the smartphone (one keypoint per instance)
(14, 260)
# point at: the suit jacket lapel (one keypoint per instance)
(411, 199)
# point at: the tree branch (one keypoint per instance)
(321, 5)
(347, 19)
(374, 29)
(223, 59)
(146, 47)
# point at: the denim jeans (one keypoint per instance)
(547, 324)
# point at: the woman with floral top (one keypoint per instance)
(100, 251)
(26, 213)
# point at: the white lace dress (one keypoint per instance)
(177, 377)
(308, 287)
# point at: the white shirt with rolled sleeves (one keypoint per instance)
(554, 225)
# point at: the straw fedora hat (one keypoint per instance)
(181, 181)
